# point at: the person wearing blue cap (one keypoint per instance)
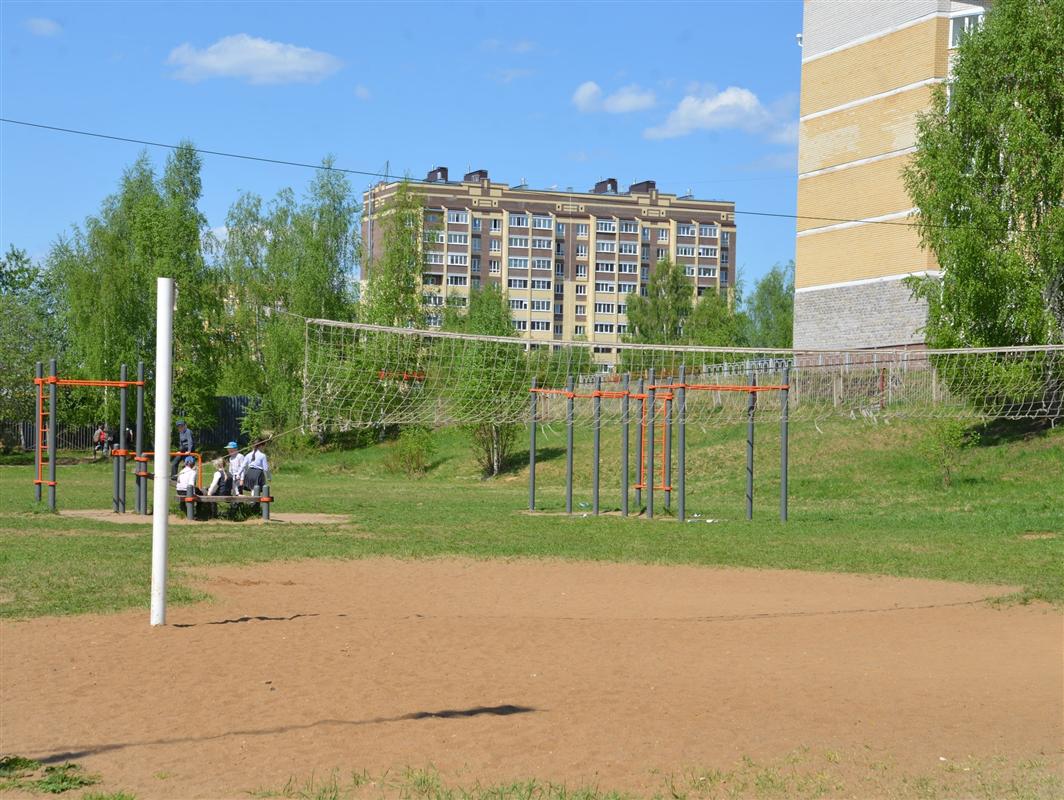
(237, 465)
(184, 446)
(186, 479)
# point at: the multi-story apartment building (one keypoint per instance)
(868, 70)
(567, 260)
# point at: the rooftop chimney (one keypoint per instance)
(643, 187)
(476, 176)
(608, 186)
(438, 175)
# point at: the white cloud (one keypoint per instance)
(588, 98)
(785, 133)
(734, 107)
(511, 75)
(363, 93)
(629, 98)
(255, 60)
(42, 26)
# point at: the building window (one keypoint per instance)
(723, 274)
(959, 26)
(476, 282)
(474, 265)
(629, 227)
(559, 268)
(496, 224)
(725, 238)
(581, 251)
(541, 324)
(705, 251)
(541, 284)
(663, 234)
(625, 288)
(476, 223)
(559, 308)
(541, 263)
(707, 231)
(685, 249)
(622, 308)
(476, 244)
(518, 263)
(646, 234)
(493, 266)
(431, 299)
(605, 247)
(518, 305)
(603, 266)
(434, 237)
(520, 324)
(459, 217)
(517, 283)
(628, 267)
(644, 272)
(543, 223)
(723, 256)
(518, 241)
(457, 238)
(578, 330)
(433, 258)
(432, 219)
(663, 253)
(557, 330)
(604, 287)
(434, 320)
(559, 230)
(494, 246)
(581, 289)
(604, 308)
(457, 260)
(603, 327)
(518, 220)
(541, 244)
(707, 272)
(606, 226)
(685, 230)
(646, 252)
(581, 230)
(628, 248)
(581, 270)
(457, 280)
(581, 311)
(689, 271)
(432, 280)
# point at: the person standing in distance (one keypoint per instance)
(256, 469)
(237, 465)
(184, 446)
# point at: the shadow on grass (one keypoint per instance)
(518, 461)
(1003, 431)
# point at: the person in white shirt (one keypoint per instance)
(256, 470)
(237, 464)
(222, 483)
(186, 479)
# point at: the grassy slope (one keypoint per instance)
(862, 500)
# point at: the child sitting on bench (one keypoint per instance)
(186, 479)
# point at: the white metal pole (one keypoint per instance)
(164, 344)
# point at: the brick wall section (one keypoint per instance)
(867, 190)
(880, 314)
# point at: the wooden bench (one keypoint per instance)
(237, 499)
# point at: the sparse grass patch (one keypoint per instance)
(28, 775)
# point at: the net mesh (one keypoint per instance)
(358, 375)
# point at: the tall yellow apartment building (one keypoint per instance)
(868, 70)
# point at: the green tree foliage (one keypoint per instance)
(715, 322)
(771, 308)
(105, 278)
(283, 259)
(393, 296)
(491, 376)
(28, 333)
(659, 317)
(988, 178)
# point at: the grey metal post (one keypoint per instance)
(532, 449)
(624, 445)
(123, 396)
(784, 400)
(569, 446)
(596, 405)
(639, 442)
(667, 447)
(37, 450)
(54, 373)
(681, 449)
(142, 466)
(266, 506)
(750, 449)
(650, 445)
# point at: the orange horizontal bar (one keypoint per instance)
(76, 382)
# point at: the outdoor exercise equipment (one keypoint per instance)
(662, 413)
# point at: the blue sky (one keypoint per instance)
(699, 96)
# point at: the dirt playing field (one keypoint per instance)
(601, 674)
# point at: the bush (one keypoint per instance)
(411, 452)
(944, 445)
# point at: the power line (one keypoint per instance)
(386, 176)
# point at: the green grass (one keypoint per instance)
(25, 774)
(862, 501)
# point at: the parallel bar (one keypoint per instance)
(639, 448)
(142, 482)
(531, 450)
(784, 403)
(53, 372)
(681, 449)
(666, 429)
(752, 404)
(39, 441)
(649, 479)
(624, 446)
(569, 409)
(123, 421)
(596, 404)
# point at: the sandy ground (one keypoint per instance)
(583, 673)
